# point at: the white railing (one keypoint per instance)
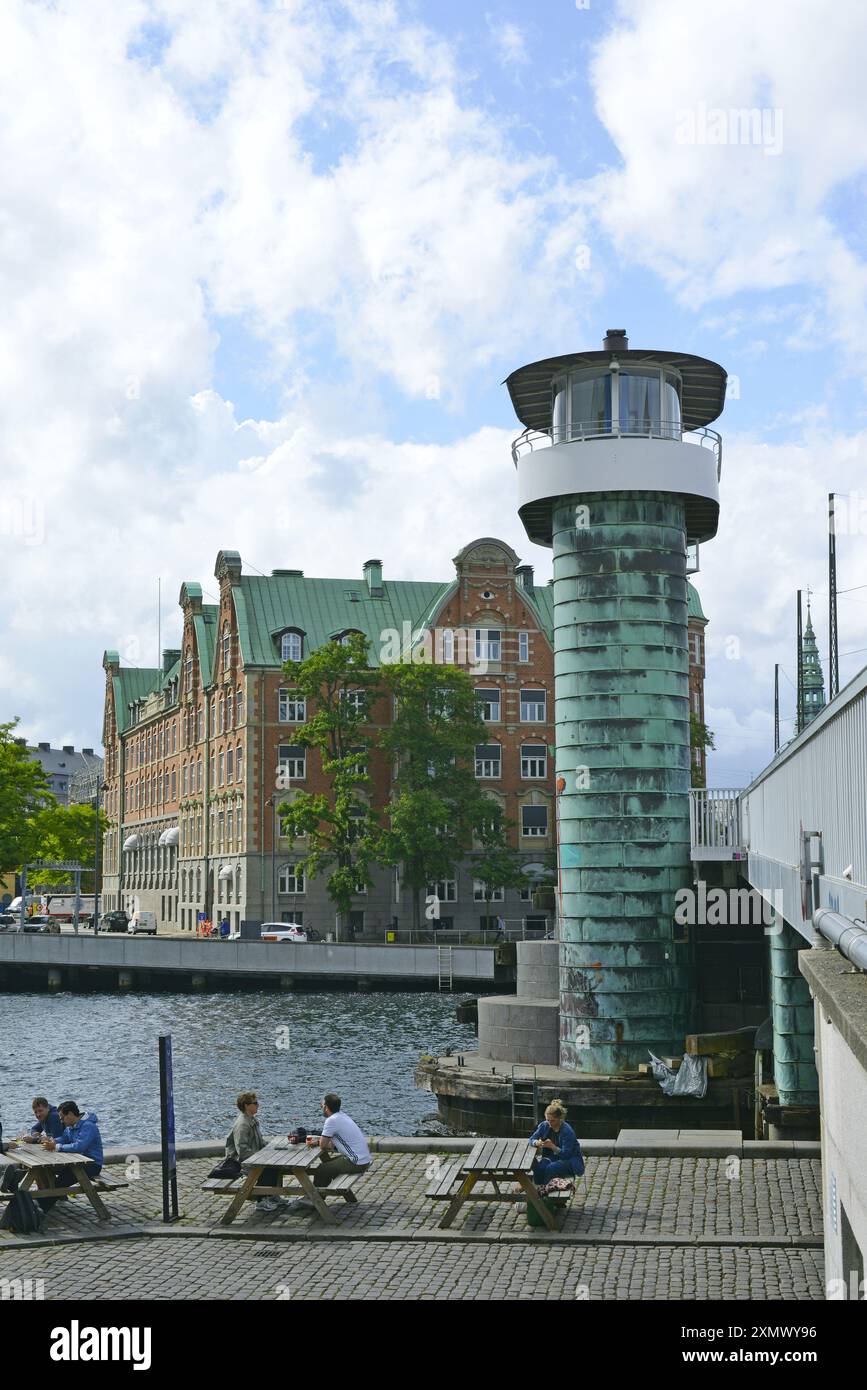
(531, 439)
(715, 822)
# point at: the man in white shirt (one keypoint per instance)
(343, 1148)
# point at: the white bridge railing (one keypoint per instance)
(715, 822)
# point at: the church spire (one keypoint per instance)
(812, 680)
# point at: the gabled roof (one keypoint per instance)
(322, 608)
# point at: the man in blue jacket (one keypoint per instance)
(48, 1121)
(81, 1136)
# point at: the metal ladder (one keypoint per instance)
(445, 968)
(525, 1097)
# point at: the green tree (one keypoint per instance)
(342, 833)
(701, 737)
(24, 788)
(437, 804)
(64, 832)
(495, 863)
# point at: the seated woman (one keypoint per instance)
(558, 1150)
(245, 1139)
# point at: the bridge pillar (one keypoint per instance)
(55, 978)
(792, 1010)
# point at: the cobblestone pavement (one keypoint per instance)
(666, 1206)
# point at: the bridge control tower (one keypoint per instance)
(619, 473)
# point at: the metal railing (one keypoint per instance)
(715, 819)
(581, 430)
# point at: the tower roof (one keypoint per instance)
(703, 382)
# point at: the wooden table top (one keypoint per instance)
(283, 1155)
(34, 1156)
(500, 1155)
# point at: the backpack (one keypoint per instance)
(22, 1215)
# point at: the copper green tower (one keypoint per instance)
(618, 472)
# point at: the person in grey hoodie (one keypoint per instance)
(245, 1139)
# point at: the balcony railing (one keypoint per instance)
(531, 440)
(715, 823)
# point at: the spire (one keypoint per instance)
(811, 672)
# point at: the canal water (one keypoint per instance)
(101, 1051)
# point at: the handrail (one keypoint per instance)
(583, 430)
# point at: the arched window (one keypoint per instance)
(292, 645)
(239, 764)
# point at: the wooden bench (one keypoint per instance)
(102, 1184)
(440, 1189)
(340, 1187)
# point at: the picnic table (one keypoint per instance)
(492, 1162)
(297, 1160)
(40, 1165)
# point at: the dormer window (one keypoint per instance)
(342, 638)
(291, 646)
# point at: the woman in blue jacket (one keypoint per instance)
(557, 1148)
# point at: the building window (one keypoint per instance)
(488, 701)
(227, 645)
(446, 890)
(199, 776)
(222, 715)
(497, 896)
(230, 826)
(695, 652)
(213, 715)
(534, 760)
(239, 764)
(291, 646)
(534, 820)
(448, 646)
(533, 704)
(230, 760)
(526, 895)
(239, 706)
(230, 709)
(174, 784)
(488, 760)
(291, 879)
(221, 762)
(523, 646)
(488, 644)
(186, 778)
(356, 699)
(292, 760)
(201, 730)
(221, 821)
(291, 707)
(188, 672)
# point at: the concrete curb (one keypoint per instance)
(632, 1147)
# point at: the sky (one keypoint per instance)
(264, 265)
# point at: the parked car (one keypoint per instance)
(282, 931)
(7, 920)
(142, 922)
(117, 920)
(40, 924)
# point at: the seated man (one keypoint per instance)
(81, 1136)
(343, 1148)
(48, 1122)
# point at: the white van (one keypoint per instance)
(142, 922)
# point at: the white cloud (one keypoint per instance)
(713, 219)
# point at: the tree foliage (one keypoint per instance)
(24, 787)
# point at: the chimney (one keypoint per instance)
(525, 577)
(67, 748)
(616, 340)
(88, 750)
(373, 577)
(170, 656)
(44, 747)
(287, 574)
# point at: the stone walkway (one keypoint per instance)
(649, 1228)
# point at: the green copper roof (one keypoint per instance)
(131, 683)
(321, 608)
(695, 608)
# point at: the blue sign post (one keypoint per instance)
(167, 1132)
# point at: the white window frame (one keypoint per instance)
(296, 875)
(534, 832)
(483, 763)
(534, 705)
(449, 887)
(285, 765)
(499, 894)
(481, 701)
(288, 641)
(523, 646)
(527, 758)
(286, 700)
(488, 643)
